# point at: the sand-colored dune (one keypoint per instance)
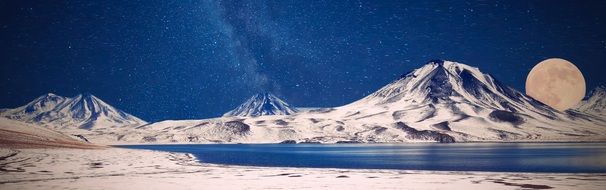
(16, 134)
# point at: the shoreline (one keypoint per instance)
(122, 168)
(362, 143)
(194, 158)
(333, 168)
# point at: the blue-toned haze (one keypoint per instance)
(198, 59)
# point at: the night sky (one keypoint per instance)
(198, 59)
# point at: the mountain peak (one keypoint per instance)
(264, 95)
(436, 61)
(49, 97)
(43, 103)
(436, 79)
(86, 95)
(260, 104)
(595, 103)
(599, 90)
(83, 111)
(448, 83)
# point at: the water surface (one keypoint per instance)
(497, 157)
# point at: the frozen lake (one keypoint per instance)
(497, 157)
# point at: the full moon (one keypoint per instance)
(556, 83)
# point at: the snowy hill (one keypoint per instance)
(262, 104)
(82, 112)
(596, 102)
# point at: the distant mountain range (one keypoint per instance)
(442, 101)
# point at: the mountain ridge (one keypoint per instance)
(442, 101)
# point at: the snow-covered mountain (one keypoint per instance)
(442, 101)
(262, 104)
(84, 111)
(461, 101)
(595, 103)
(449, 83)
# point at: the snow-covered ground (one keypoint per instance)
(117, 168)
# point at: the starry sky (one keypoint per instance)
(162, 59)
